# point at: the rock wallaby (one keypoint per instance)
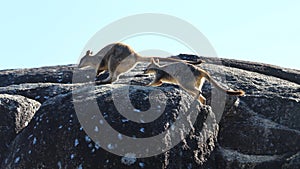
(187, 76)
(118, 58)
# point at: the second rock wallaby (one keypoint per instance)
(187, 76)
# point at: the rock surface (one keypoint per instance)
(16, 112)
(259, 130)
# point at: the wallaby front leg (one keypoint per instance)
(99, 72)
(105, 81)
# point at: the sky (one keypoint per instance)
(44, 33)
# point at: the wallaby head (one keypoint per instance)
(154, 65)
(87, 60)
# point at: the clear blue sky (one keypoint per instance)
(43, 33)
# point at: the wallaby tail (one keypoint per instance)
(198, 61)
(148, 59)
(217, 85)
(235, 92)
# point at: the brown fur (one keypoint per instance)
(118, 58)
(187, 76)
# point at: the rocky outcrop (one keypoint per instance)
(54, 74)
(259, 130)
(16, 112)
(55, 137)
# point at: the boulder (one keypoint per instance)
(293, 162)
(50, 74)
(40, 92)
(57, 136)
(258, 130)
(15, 112)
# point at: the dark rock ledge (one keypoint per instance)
(41, 126)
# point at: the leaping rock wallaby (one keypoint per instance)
(118, 58)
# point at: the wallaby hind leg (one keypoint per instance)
(202, 99)
(114, 78)
(196, 93)
(155, 83)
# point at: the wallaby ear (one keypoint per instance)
(157, 61)
(152, 60)
(88, 52)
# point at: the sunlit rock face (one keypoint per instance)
(50, 120)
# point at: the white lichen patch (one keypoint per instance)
(97, 145)
(110, 146)
(87, 139)
(105, 115)
(120, 137)
(125, 120)
(17, 160)
(142, 130)
(129, 159)
(141, 164)
(76, 142)
(72, 156)
(96, 129)
(59, 165)
(26, 123)
(29, 137)
(34, 141)
(137, 110)
(80, 166)
(173, 127)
